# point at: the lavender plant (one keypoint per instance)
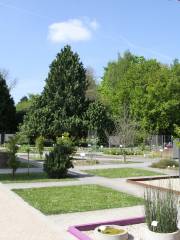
(161, 207)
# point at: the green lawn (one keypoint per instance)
(56, 200)
(122, 172)
(33, 177)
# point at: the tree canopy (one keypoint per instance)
(7, 108)
(72, 102)
(149, 89)
(23, 106)
(61, 106)
(98, 118)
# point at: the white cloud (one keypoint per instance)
(94, 24)
(72, 30)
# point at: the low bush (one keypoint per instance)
(116, 151)
(12, 151)
(165, 163)
(59, 160)
(22, 148)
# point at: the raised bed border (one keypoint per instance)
(137, 181)
(77, 229)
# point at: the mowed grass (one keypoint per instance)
(122, 172)
(57, 200)
(33, 177)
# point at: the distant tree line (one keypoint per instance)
(72, 101)
(149, 89)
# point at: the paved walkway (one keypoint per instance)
(19, 221)
(70, 219)
(43, 184)
(22, 170)
(119, 184)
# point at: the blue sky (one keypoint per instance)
(33, 32)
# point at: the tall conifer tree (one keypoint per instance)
(7, 108)
(62, 104)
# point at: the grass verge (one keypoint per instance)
(122, 172)
(57, 200)
(33, 177)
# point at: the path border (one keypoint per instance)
(137, 181)
(77, 229)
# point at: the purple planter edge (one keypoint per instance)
(77, 230)
(78, 234)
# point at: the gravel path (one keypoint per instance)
(70, 219)
(135, 232)
(165, 183)
(19, 221)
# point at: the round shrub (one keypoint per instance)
(165, 163)
(59, 160)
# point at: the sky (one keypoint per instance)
(32, 32)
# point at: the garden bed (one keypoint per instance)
(158, 182)
(133, 225)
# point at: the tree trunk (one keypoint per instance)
(179, 161)
(124, 153)
(2, 137)
(124, 156)
(13, 172)
(28, 162)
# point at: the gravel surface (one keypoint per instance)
(135, 231)
(173, 183)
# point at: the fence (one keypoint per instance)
(160, 141)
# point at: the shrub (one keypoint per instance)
(4, 156)
(40, 145)
(164, 163)
(59, 160)
(22, 138)
(22, 148)
(161, 206)
(82, 142)
(120, 151)
(12, 150)
(65, 139)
